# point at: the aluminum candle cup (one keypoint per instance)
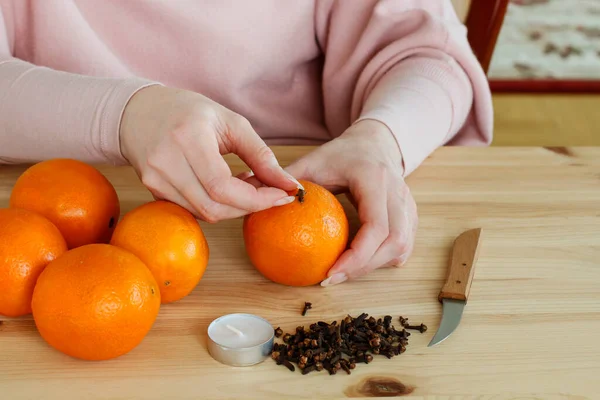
(240, 339)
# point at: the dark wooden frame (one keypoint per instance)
(484, 20)
(545, 86)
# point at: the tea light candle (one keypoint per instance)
(240, 339)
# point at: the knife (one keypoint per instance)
(455, 292)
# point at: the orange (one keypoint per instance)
(95, 302)
(170, 241)
(298, 243)
(75, 196)
(28, 242)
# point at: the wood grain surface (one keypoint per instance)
(529, 331)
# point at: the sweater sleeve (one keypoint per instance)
(46, 113)
(407, 64)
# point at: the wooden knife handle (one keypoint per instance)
(462, 266)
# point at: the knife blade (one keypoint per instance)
(455, 292)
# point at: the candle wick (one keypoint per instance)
(237, 331)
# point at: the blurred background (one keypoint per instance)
(544, 70)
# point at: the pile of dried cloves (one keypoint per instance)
(340, 346)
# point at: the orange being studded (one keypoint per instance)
(28, 242)
(95, 302)
(298, 243)
(75, 196)
(170, 241)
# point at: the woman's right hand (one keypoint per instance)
(175, 140)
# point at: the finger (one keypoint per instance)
(313, 168)
(253, 180)
(201, 150)
(161, 189)
(249, 146)
(414, 214)
(373, 214)
(245, 175)
(300, 169)
(168, 193)
(185, 185)
(396, 249)
(249, 177)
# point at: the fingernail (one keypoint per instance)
(284, 201)
(335, 279)
(291, 178)
(403, 259)
(245, 175)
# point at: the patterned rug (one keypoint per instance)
(548, 39)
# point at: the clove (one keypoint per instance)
(421, 328)
(307, 306)
(300, 194)
(342, 345)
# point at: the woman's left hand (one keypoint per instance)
(366, 162)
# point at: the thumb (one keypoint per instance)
(248, 145)
(301, 169)
(316, 167)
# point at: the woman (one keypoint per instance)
(170, 86)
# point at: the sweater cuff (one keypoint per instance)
(46, 114)
(110, 111)
(423, 102)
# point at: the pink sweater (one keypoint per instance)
(300, 71)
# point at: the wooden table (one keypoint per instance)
(530, 330)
